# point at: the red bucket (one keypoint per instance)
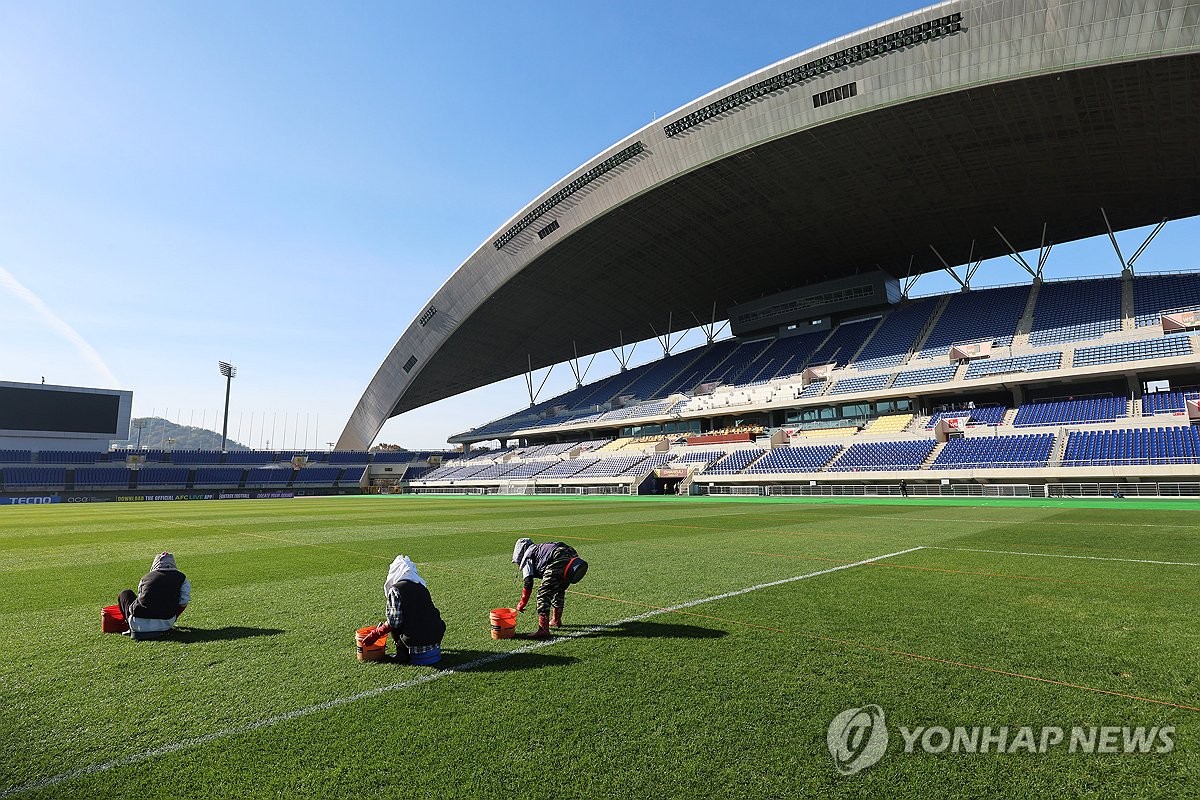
(504, 622)
(112, 620)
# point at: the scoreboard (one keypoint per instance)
(37, 410)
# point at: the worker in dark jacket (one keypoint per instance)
(558, 565)
(162, 595)
(411, 615)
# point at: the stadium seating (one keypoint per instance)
(734, 462)
(896, 335)
(250, 457)
(918, 377)
(54, 478)
(1167, 402)
(1165, 347)
(269, 476)
(888, 456)
(794, 459)
(1070, 311)
(69, 456)
(217, 476)
(889, 423)
(351, 476)
(325, 476)
(845, 341)
(16, 457)
(343, 457)
(386, 457)
(861, 384)
(1173, 445)
(983, 313)
(1037, 362)
(1057, 412)
(1154, 294)
(195, 457)
(981, 415)
(102, 477)
(158, 477)
(995, 452)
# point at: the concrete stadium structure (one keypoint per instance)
(959, 132)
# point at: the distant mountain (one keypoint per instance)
(157, 431)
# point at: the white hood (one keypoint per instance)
(402, 569)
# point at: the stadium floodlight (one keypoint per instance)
(230, 372)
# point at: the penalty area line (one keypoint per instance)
(1064, 555)
(147, 755)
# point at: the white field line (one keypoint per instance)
(146, 755)
(1063, 555)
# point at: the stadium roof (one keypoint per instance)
(945, 135)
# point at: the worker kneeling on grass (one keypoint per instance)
(162, 595)
(411, 615)
(559, 566)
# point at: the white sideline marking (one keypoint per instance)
(137, 758)
(1063, 555)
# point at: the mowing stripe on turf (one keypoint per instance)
(137, 758)
(1064, 555)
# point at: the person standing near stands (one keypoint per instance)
(411, 614)
(904, 488)
(162, 595)
(558, 565)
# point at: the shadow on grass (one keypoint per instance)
(190, 635)
(490, 661)
(653, 630)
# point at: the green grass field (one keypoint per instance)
(1011, 613)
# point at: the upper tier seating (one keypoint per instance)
(251, 457)
(844, 343)
(866, 456)
(389, 457)
(795, 459)
(1070, 311)
(995, 452)
(896, 335)
(343, 457)
(1057, 412)
(785, 356)
(196, 457)
(16, 456)
(1154, 294)
(70, 456)
(971, 316)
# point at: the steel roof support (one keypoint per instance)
(710, 329)
(529, 381)
(1146, 243)
(622, 357)
(966, 285)
(1125, 270)
(1017, 257)
(574, 364)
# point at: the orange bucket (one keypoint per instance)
(112, 620)
(504, 622)
(372, 652)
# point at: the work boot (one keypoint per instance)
(543, 631)
(556, 618)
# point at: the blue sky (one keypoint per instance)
(283, 185)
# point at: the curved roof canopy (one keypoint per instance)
(947, 134)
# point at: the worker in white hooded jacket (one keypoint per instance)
(411, 614)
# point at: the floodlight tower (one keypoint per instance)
(230, 372)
